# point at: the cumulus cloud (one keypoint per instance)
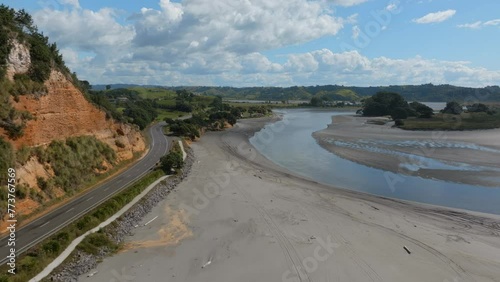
(436, 17)
(84, 29)
(196, 42)
(233, 25)
(352, 68)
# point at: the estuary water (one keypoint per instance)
(289, 143)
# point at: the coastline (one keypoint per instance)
(383, 147)
(238, 216)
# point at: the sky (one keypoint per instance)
(274, 42)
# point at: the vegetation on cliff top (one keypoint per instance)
(17, 26)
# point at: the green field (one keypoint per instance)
(248, 105)
(163, 114)
(464, 121)
(154, 93)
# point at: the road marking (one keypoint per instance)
(150, 221)
(44, 224)
(89, 199)
(106, 188)
(71, 209)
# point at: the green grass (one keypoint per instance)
(248, 105)
(154, 93)
(169, 102)
(163, 114)
(37, 258)
(464, 121)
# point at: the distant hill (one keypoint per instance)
(98, 87)
(424, 92)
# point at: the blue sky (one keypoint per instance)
(280, 42)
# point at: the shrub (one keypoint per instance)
(453, 108)
(6, 161)
(477, 108)
(23, 154)
(51, 247)
(171, 161)
(119, 144)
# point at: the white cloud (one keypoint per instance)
(316, 67)
(352, 19)
(347, 3)
(436, 17)
(474, 25)
(233, 26)
(352, 68)
(391, 7)
(84, 29)
(480, 24)
(355, 32)
(196, 42)
(74, 3)
(493, 22)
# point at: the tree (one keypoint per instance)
(453, 108)
(217, 103)
(85, 85)
(316, 101)
(384, 103)
(399, 113)
(108, 87)
(184, 95)
(477, 108)
(171, 161)
(421, 110)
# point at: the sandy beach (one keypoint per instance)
(240, 217)
(473, 155)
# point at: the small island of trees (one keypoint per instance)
(418, 116)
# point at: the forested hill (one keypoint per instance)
(425, 92)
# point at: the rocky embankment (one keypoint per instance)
(83, 262)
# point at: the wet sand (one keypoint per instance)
(239, 217)
(354, 138)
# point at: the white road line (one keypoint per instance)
(71, 209)
(89, 199)
(44, 224)
(150, 221)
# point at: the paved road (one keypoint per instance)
(48, 224)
